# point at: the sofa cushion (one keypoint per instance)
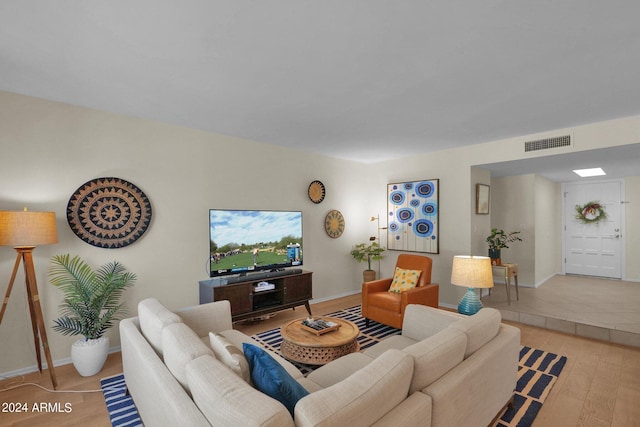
(362, 398)
(339, 369)
(181, 345)
(230, 355)
(153, 319)
(435, 356)
(226, 400)
(271, 378)
(397, 342)
(421, 321)
(404, 279)
(480, 328)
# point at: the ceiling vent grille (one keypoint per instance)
(547, 143)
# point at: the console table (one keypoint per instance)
(507, 271)
(247, 301)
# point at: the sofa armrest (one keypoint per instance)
(491, 372)
(421, 322)
(205, 318)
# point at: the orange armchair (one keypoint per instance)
(388, 307)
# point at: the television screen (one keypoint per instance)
(243, 241)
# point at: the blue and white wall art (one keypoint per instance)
(412, 216)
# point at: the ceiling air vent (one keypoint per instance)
(546, 143)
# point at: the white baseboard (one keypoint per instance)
(34, 368)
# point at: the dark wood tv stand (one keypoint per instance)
(291, 290)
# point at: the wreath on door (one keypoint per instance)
(590, 213)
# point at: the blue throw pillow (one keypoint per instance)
(271, 378)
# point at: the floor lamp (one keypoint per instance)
(24, 231)
(372, 238)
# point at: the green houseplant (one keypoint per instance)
(367, 252)
(92, 303)
(498, 240)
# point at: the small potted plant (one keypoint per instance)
(92, 302)
(367, 252)
(497, 240)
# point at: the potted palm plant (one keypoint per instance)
(371, 252)
(92, 302)
(498, 240)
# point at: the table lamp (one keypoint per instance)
(24, 231)
(471, 272)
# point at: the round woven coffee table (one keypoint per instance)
(303, 346)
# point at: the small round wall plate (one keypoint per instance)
(334, 224)
(316, 192)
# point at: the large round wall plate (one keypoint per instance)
(109, 213)
(334, 224)
(316, 192)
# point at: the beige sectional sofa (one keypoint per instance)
(443, 370)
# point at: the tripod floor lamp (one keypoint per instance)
(24, 231)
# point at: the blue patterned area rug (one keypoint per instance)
(537, 370)
(122, 410)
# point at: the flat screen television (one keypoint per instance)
(245, 241)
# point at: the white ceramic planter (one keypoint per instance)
(89, 356)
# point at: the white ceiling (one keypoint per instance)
(365, 80)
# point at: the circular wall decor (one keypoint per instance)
(334, 224)
(109, 213)
(316, 192)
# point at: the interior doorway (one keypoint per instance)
(594, 247)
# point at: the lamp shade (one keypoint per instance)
(24, 228)
(472, 271)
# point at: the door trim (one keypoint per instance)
(623, 222)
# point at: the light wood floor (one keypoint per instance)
(599, 386)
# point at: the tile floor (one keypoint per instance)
(603, 309)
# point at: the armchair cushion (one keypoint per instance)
(404, 279)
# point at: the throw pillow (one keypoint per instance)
(271, 378)
(404, 279)
(230, 355)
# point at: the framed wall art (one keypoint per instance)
(412, 215)
(482, 199)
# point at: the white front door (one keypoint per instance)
(593, 249)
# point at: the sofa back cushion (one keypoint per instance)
(226, 400)
(480, 328)
(180, 346)
(435, 356)
(153, 319)
(421, 321)
(363, 397)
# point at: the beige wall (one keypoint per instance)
(49, 149)
(632, 235)
(547, 229)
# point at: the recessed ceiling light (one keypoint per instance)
(584, 173)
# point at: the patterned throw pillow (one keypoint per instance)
(230, 355)
(404, 279)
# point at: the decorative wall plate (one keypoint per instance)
(109, 213)
(316, 192)
(334, 224)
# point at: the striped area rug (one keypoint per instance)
(538, 371)
(122, 410)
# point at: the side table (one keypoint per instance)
(507, 271)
